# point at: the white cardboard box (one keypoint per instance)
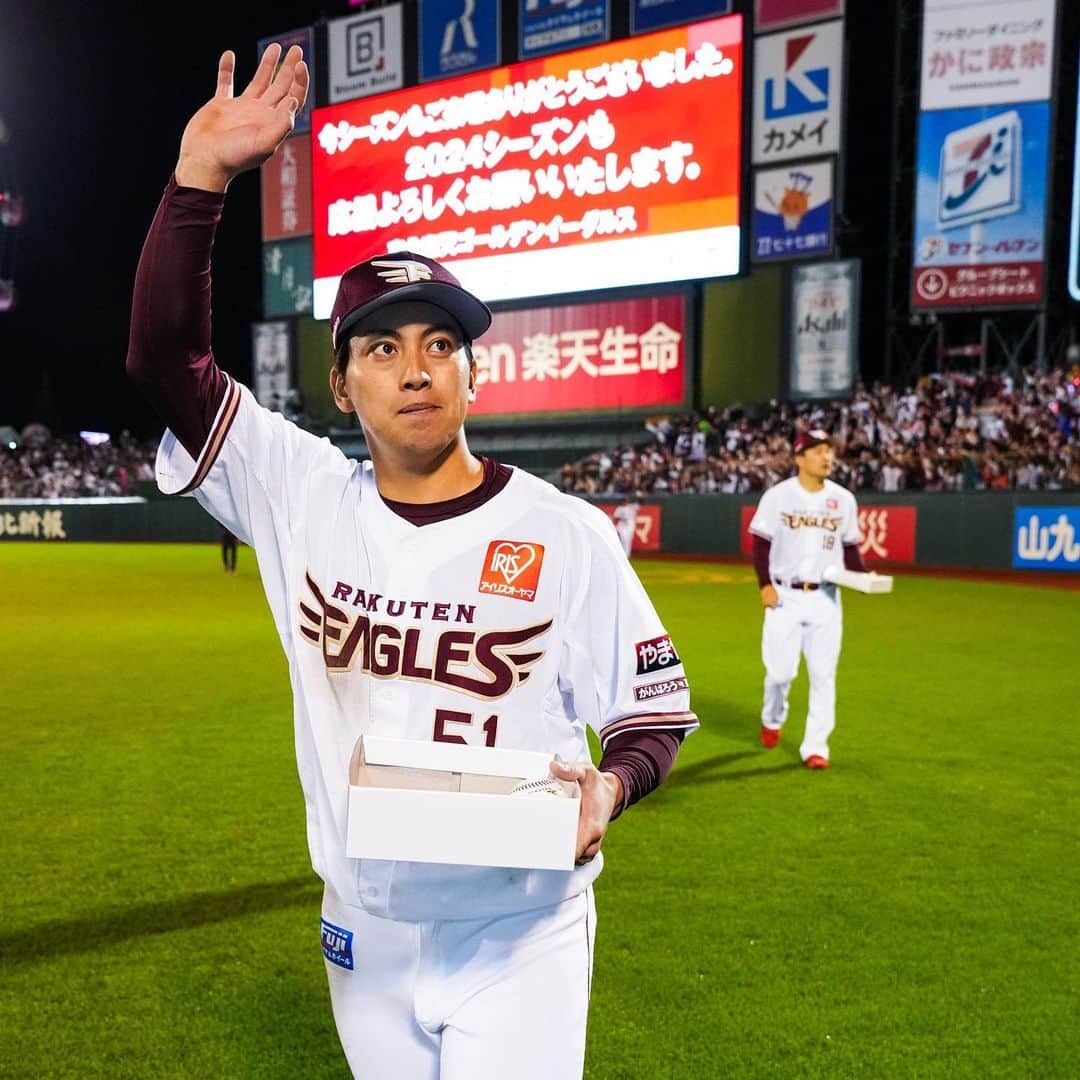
(867, 582)
(447, 803)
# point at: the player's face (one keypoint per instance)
(817, 461)
(408, 380)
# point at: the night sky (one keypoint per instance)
(95, 100)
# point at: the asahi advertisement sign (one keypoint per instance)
(824, 331)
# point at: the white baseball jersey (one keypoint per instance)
(807, 529)
(512, 625)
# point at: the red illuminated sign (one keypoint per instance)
(617, 355)
(613, 165)
(887, 533)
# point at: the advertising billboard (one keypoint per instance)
(793, 212)
(303, 38)
(824, 329)
(1046, 538)
(646, 15)
(548, 176)
(271, 363)
(980, 207)
(364, 53)
(887, 533)
(546, 26)
(285, 190)
(777, 14)
(458, 37)
(287, 277)
(622, 354)
(984, 52)
(798, 93)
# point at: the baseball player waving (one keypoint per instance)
(426, 594)
(801, 527)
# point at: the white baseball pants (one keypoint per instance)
(482, 999)
(808, 624)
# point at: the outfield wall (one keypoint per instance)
(173, 520)
(975, 530)
(979, 530)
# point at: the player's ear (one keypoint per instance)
(338, 389)
(472, 373)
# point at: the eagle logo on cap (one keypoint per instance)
(402, 272)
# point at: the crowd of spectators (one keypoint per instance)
(38, 465)
(35, 464)
(949, 432)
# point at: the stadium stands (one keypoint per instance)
(950, 432)
(38, 465)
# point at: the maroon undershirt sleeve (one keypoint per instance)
(169, 356)
(761, 550)
(853, 559)
(642, 760)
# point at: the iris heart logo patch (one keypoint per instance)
(512, 568)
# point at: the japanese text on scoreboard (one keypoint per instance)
(608, 166)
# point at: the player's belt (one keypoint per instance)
(805, 586)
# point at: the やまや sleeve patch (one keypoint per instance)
(622, 668)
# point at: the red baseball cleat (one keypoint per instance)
(770, 736)
(816, 761)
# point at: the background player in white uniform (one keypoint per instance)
(625, 515)
(801, 526)
(426, 594)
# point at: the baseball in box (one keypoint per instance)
(447, 803)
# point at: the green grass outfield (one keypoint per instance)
(913, 912)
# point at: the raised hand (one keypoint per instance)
(230, 135)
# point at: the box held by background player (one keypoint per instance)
(448, 803)
(863, 581)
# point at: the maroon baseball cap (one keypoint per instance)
(813, 437)
(403, 275)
